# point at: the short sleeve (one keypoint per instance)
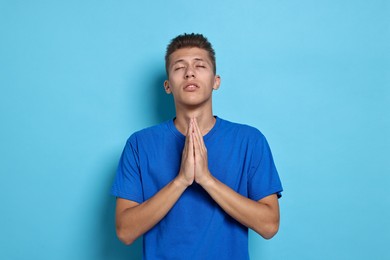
(127, 183)
(263, 178)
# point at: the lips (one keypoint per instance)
(191, 87)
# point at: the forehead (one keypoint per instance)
(189, 54)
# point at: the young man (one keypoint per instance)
(192, 186)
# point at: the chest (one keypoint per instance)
(160, 163)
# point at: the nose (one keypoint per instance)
(189, 73)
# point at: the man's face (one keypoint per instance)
(191, 77)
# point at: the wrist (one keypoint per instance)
(207, 180)
(181, 182)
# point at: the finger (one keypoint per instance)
(199, 134)
(188, 139)
(193, 146)
(190, 128)
(195, 143)
(191, 138)
(198, 129)
(195, 133)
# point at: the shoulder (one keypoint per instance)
(241, 130)
(149, 133)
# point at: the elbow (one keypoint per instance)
(268, 231)
(124, 236)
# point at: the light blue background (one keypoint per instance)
(78, 77)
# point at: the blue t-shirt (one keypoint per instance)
(196, 227)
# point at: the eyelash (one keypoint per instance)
(198, 66)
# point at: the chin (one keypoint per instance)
(193, 102)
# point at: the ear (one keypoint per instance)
(167, 87)
(217, 82)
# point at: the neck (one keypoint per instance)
(205, 120)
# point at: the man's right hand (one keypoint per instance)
(134, 219)
(186, 175)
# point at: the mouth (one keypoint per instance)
(191, 87)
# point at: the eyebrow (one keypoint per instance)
(181, 60)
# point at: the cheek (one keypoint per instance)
(174, 78)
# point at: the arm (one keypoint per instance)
(134, 219)
(262, 216)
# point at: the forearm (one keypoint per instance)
(261, 216)
(133, 222)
